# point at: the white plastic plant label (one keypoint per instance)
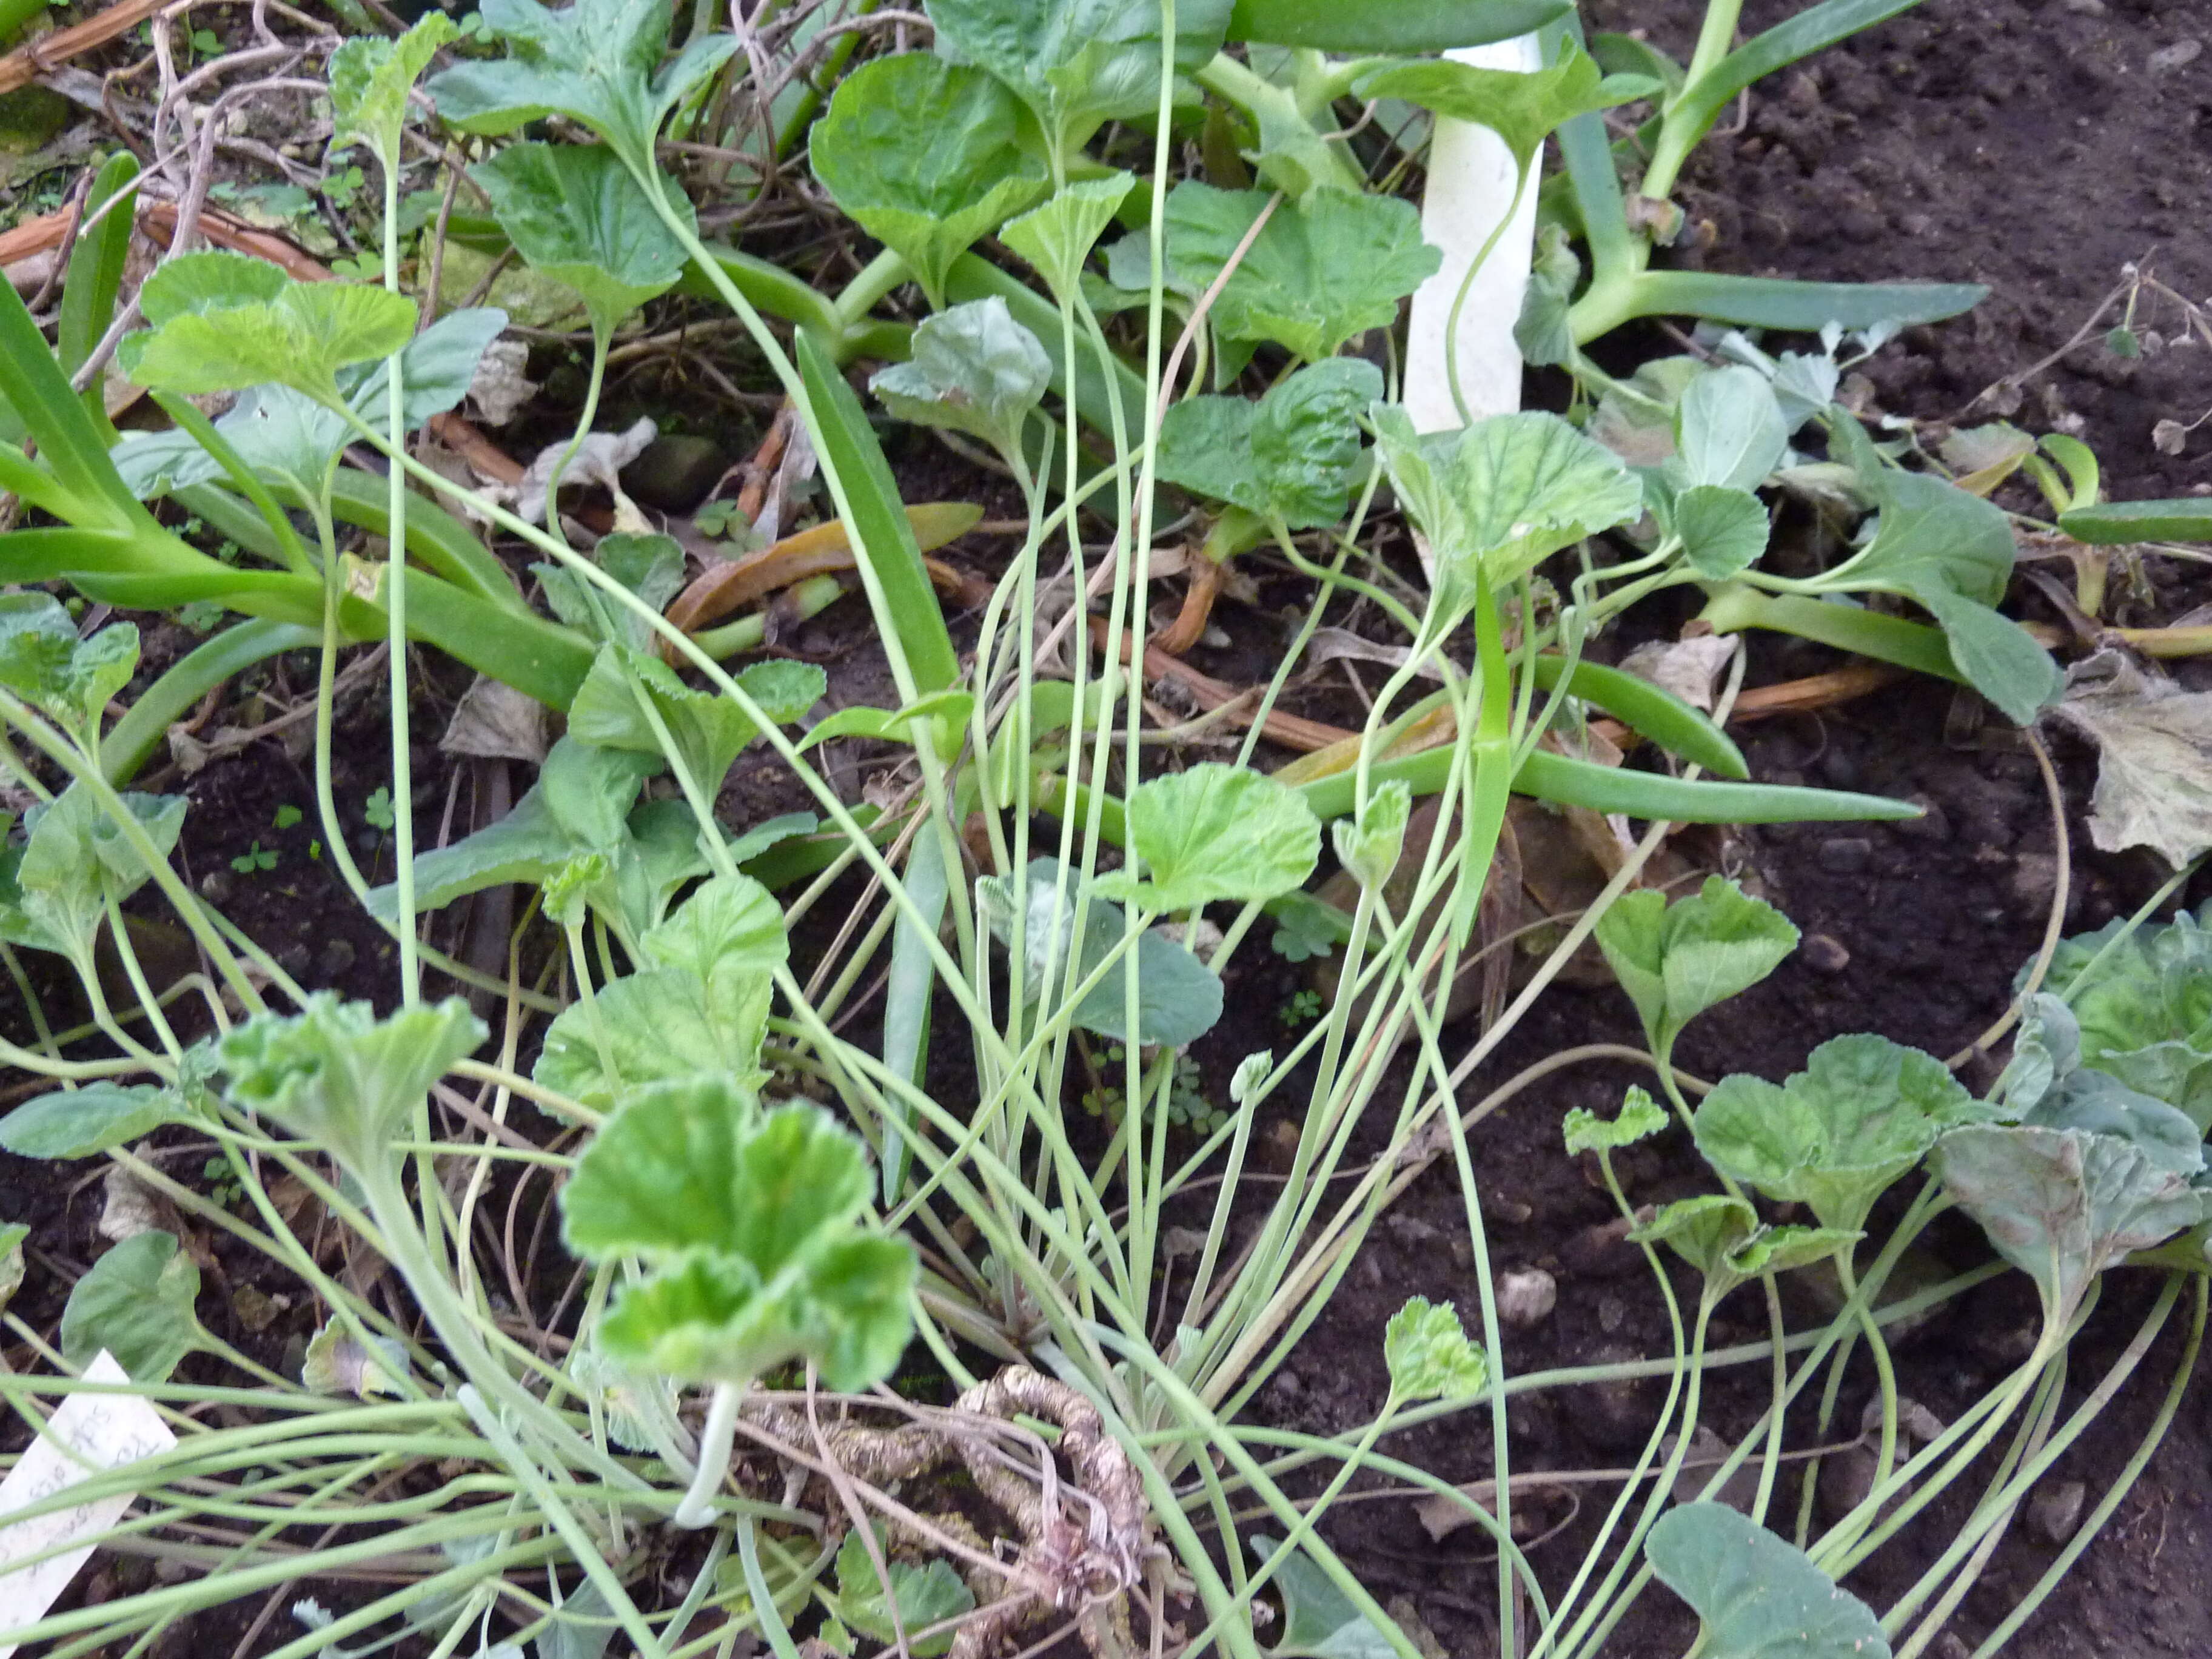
(1471, 180)
(104, 1431)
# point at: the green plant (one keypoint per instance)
(1046, 883)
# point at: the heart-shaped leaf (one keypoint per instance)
(1294, 455)
(575, 213)
(136, 1303)
(925, 155)
(1058, 237)
(1677, 960)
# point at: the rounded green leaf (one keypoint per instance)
(1862, 1112)
(1677, 960)
(211, 279)
(1760, 1597)
(1318, 274)
(82, 1122)
(1216, 832)
(1703, 1231)
(1723, 530)
(1730, 430)
(136, 1303)
(925, 155)
(662, 1024)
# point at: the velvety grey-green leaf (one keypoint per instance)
(1429, 1354)
(2061, 1205)
(1213, 832)
(1862, 1112)
(1319, 273)
(1058, 237)
(1703, 1231)
(2098, 1103)
(1723, 530)
(337, 1076)
(659, 1025)
(84, 1122)
(973, 368)
(925, 155)
(1080, 63)
(574, 213)
(137, 1304)
(1999, 658)
(1729, 429)
(1179, 998)
(1759, 1595)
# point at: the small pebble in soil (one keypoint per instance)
(1526, 1297)
(2055, 1511)
(1616, 1413)
(1824, 955)
(335, 957)
(2180, 55)
(1845, 856)
(1611, 1314)
(216, 887)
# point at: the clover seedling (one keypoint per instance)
(749, 1222)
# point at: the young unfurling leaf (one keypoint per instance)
(371, 77)
(924, 155)
(1431, 1356)
(1677, 960)
(1641, 1117)
(1370, 849)
(974, 369)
